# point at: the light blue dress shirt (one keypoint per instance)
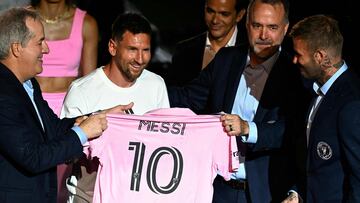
(247, 98)
(329, 82)
(321, 91)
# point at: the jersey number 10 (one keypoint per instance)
(139, 149)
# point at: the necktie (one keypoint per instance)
(313, 111)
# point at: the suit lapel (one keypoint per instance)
(31, 108)
(21, 92)
(273, 85)
(40, 106)
(236, 69)
(330, 100)
(199, 52)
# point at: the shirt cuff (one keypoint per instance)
(81, 134)
(291, 191)
(253, 134)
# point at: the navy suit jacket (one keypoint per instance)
(333, 169)
(280, 108)
(188, 57)
(29, 154)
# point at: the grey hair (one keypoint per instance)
(14, 29)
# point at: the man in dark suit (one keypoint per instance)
(33, 140)
(331, 146)
(225, 27)
(263, 91)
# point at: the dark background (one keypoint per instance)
(180, 19)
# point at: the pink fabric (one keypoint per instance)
(169, 155)
(55, 101)
(63, 61)
(64, 57)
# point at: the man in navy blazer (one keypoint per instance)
(263, 92)
(225, 27)
(33, 140)
(331, 147)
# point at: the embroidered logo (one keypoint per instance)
(324, 150)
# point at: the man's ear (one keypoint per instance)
(319, 55)
(322, 58)
(15, 49)
(112, 47)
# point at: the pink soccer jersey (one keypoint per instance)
(167, 155)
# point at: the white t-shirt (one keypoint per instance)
(96, 92)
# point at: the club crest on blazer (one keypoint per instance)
(324, 150)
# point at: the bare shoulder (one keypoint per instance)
(90, 24)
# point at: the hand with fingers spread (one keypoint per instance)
(234, 125)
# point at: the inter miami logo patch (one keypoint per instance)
(324, 150)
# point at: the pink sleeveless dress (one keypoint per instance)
(63, 60)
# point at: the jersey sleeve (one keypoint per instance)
(226, 157)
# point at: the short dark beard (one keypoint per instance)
(129, 76)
